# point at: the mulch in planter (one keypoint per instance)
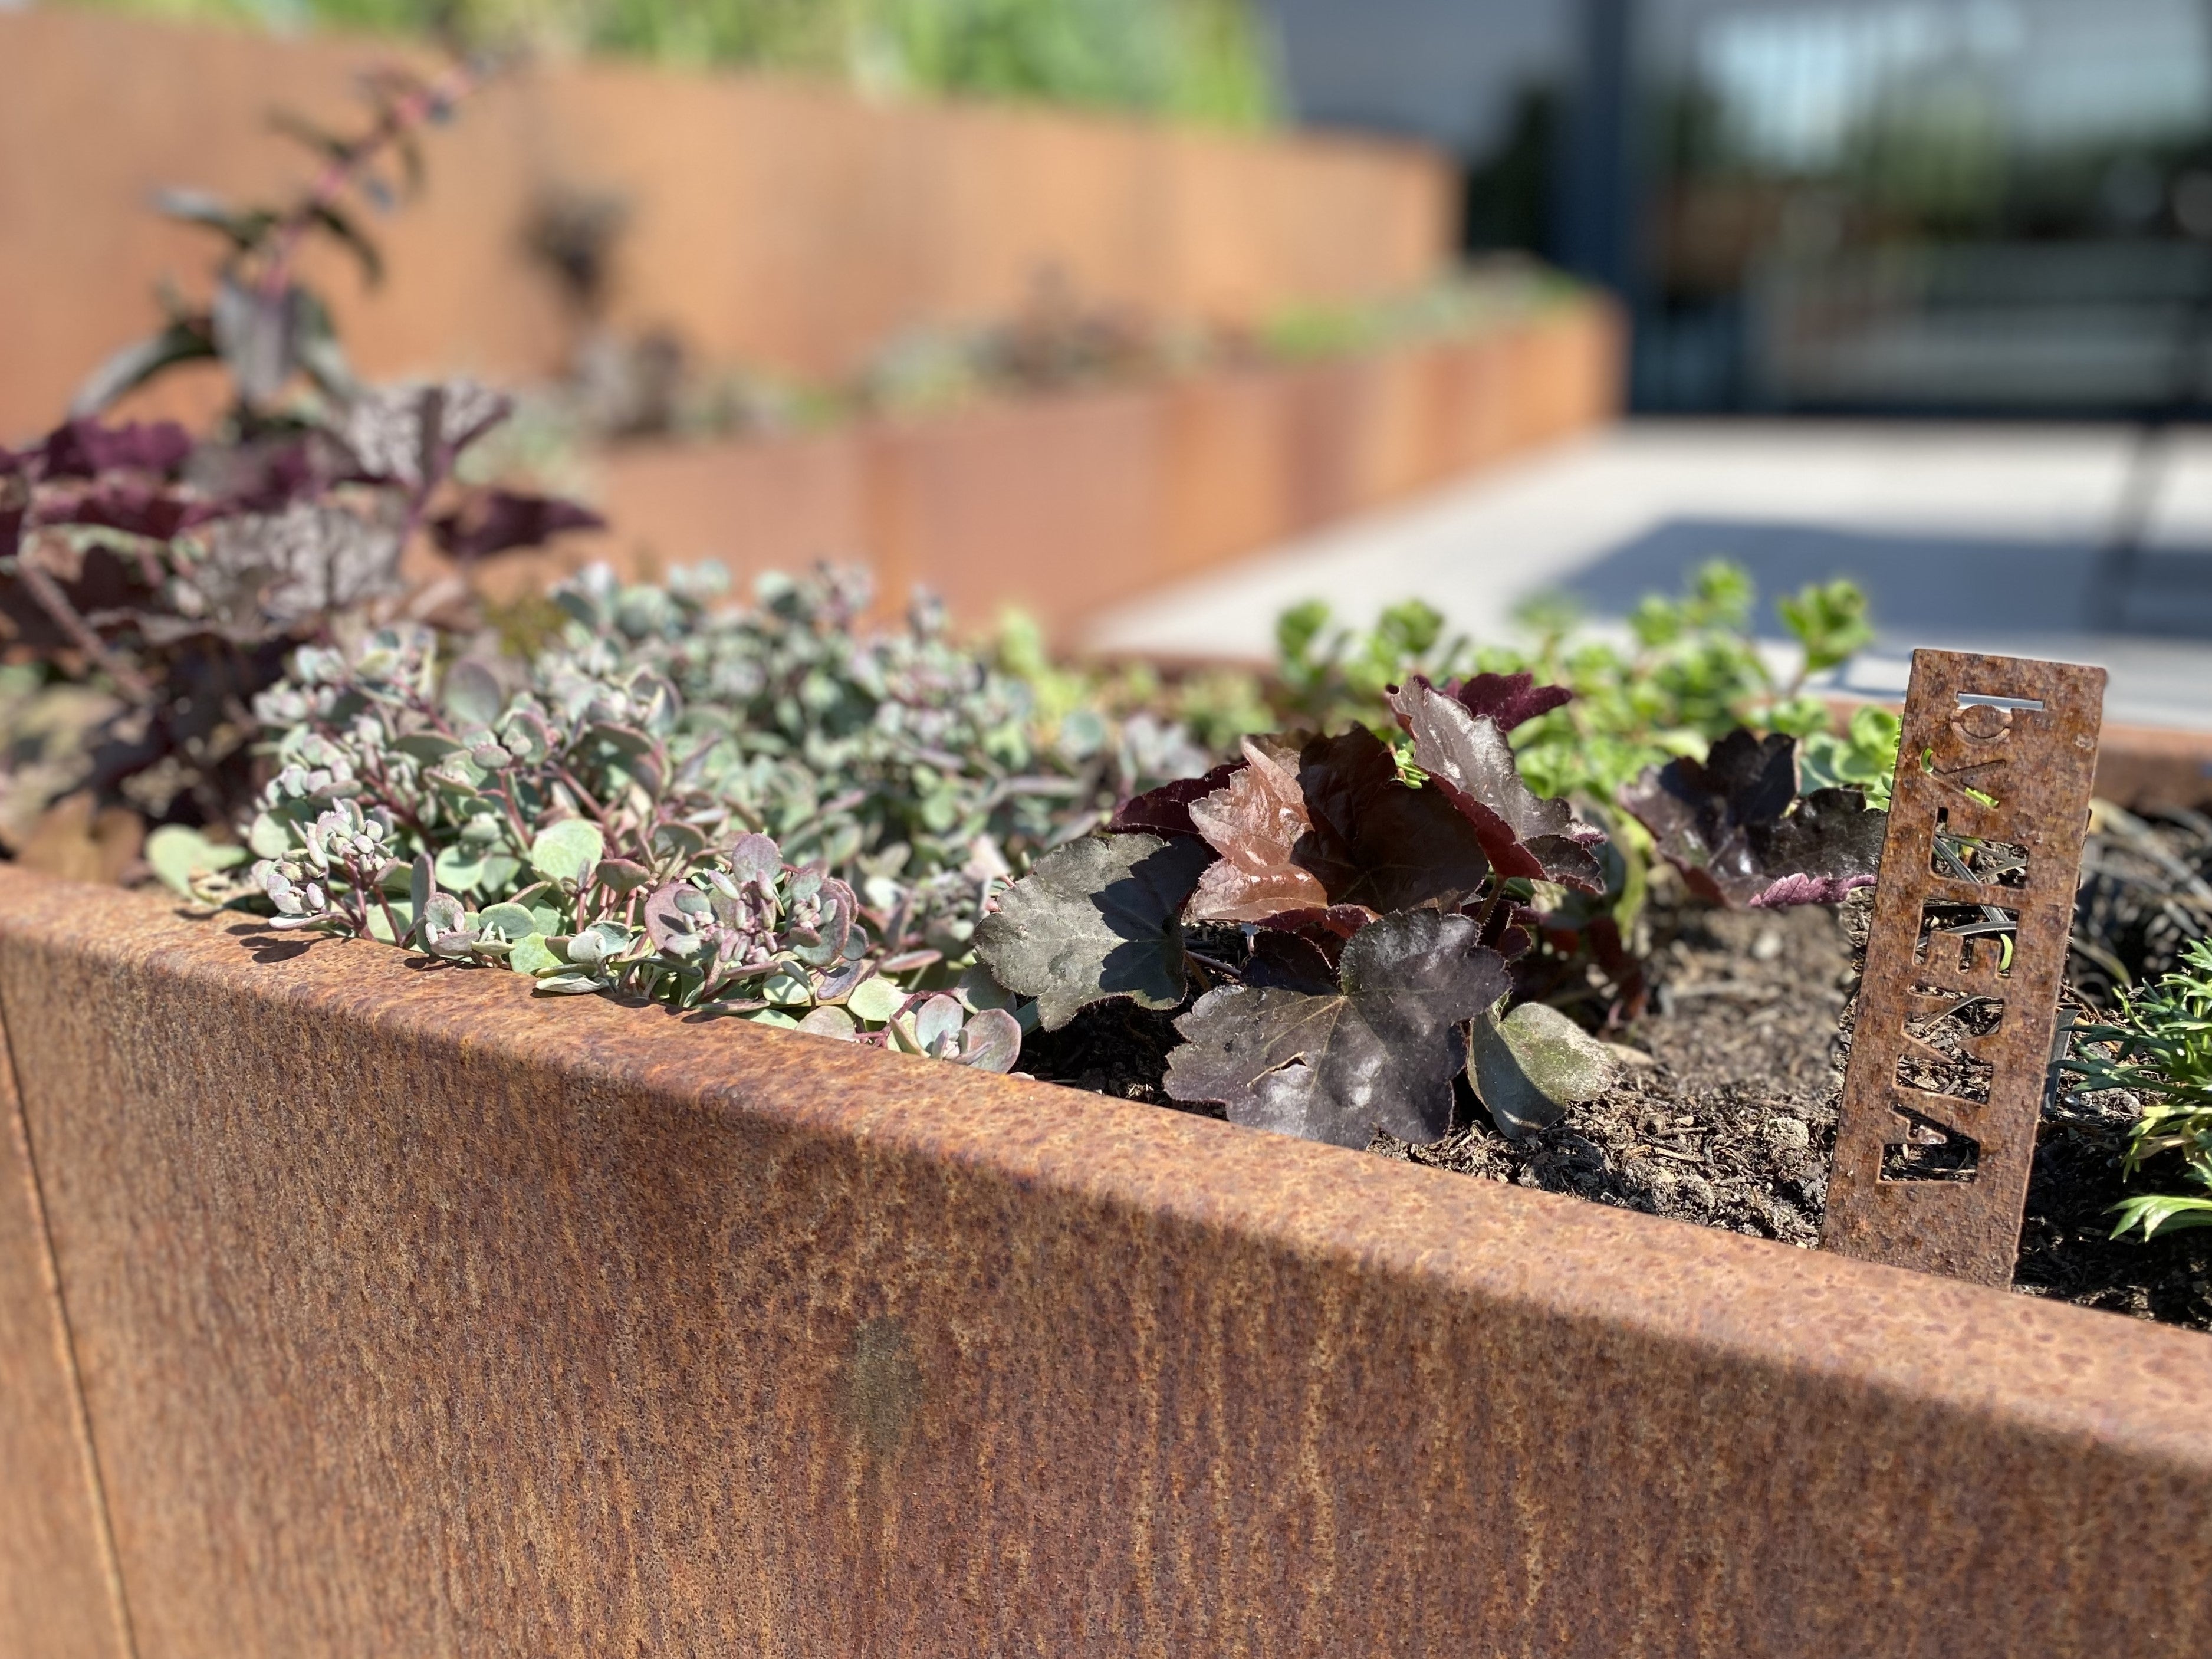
(1726, 1113)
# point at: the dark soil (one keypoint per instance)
(1725, 1111)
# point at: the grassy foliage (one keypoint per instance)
(2160, 1046)
(1199, 60)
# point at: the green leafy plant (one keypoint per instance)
(1203, 60)
(1862, 757)
(2159, 1048)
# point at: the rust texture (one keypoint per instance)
(792, 227)
(1995, 750)
(58, 1596)
(416, 1317)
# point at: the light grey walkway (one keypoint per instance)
(1975, 537)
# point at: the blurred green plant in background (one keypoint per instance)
(1208, 61)
(1692, 671)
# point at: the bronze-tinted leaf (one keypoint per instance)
(1255, 821)
(1733, 826)
(1383, 1047)
(1469, 760)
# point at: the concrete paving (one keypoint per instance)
(1974, 537)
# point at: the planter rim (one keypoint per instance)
(2050, 1368)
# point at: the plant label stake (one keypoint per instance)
(1957, 1008)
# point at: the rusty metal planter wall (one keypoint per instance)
(413, 1317)
(1065, 503)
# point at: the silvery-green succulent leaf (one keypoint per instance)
(444, 928)
(569, 984)
(875, 1001)
(473, 697)
(1530, 1066)
(566, 851)
(510, 921)
(1095, 919)
(178, 854)
(532, 955)
(830, 1023)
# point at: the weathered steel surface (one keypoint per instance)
(58, 1597)
(1994, 749)
(418, 1318)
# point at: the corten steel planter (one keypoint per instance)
(770, 222)
(1064, 503)
(414, 1316)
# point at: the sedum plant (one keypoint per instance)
(764, 813)
(2160, 1048)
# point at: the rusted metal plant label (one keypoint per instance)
(1963, 965)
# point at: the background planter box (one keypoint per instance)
(412, 1316)
(772, 222)
(1063, 504)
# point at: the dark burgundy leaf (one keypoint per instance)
(99, 585)
(268, 475)
(118, 504)
(1380, 1046)
(1253, 820)
(1733, 827)
(1095, 919)
(1293, 961)
(1166, 811)
(85, 449)
(496, 520)
(257, 333)
(1471, 764)
(1326, 930)
(1508, 699)
(1375, 840)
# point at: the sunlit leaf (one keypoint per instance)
(1095, 919)
(1382, 1048)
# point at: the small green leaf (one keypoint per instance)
(473, 697)
(875, 1000)
(177, 853)
(510, 921)
(429, 747)
(567, 851)
(458, 870)
(786, 989)
(1530, 1066)
(271, 837)
(567, 984)
(532, 956)
(830, 1022)
(775, 1017)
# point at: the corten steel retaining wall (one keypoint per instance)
(416, 1318)
(1061, 504)
(774, 222)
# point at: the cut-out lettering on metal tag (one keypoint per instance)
(1964, 963)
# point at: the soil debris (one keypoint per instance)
(1729, 1118)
